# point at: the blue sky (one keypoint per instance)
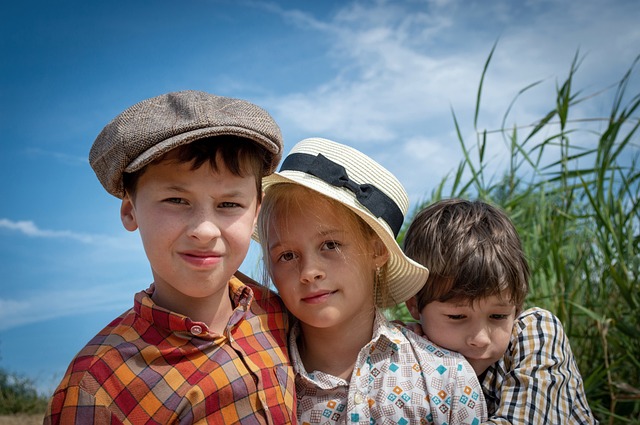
(382, 76)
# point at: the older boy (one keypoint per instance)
(472, 304)
(200, 345)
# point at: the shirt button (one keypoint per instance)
(196, 329)
(358, 398)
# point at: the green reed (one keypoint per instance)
(571, 187)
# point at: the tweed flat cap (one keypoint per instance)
(151, 128)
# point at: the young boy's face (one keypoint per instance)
(480, 331)
(195, 226)
(323, 269)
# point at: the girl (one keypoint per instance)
(327, 228)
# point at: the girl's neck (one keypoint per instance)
(335, 350)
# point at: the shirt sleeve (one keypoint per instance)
(538, 380)
(72, 405)
(468, 406)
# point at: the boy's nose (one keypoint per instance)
(204, 228)
(479, 338)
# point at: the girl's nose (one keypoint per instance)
(311, 271)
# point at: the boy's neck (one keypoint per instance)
(214, 311)
(335, 350)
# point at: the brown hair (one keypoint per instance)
(240, 156)
(472, 251)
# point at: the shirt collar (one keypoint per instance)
(386, 339)
(241, 296)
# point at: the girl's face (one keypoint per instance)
(480, 331)
(321, 264)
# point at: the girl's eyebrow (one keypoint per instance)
(274, 245)
(330, 232)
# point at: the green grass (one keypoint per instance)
(571, 187)
(18, 395)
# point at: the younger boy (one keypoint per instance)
(472, 303)
(200, 345)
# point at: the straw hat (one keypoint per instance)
(369, 190)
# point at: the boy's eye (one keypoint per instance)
(500, 316)
(228, 205)
(455, 316)
(175, 200)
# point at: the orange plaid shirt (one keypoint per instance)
(152, 366)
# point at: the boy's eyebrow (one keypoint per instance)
(176, 188)
(228, 194)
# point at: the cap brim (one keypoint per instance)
(161, 148)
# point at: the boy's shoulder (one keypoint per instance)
(535, 330)
(264, 297)
(535, 317)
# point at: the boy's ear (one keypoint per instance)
(255, 218)
(412, 306)
(128, 214)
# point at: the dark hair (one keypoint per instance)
(239, 155)
(472, 251)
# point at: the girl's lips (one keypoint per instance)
(318, 297)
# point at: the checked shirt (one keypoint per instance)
(537, 381)
(152, 366)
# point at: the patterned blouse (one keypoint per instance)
(537, 381)
(398, 378)
(152, 366)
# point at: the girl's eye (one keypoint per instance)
(286, 256)
(331, 245)
(500, 316)
(455, 316)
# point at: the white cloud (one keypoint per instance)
(29, 228)
(46, 305)
(400, 67)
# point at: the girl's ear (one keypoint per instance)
(380, 253)
(128, 214)
(412, 306)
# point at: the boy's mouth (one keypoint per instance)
(201, 259)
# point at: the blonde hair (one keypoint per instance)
(283, 197)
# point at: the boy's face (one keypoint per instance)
(195, 226)
(322, 268)
(480, 331)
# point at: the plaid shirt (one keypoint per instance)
(398, 378)
(152, 366)
(537, 381)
